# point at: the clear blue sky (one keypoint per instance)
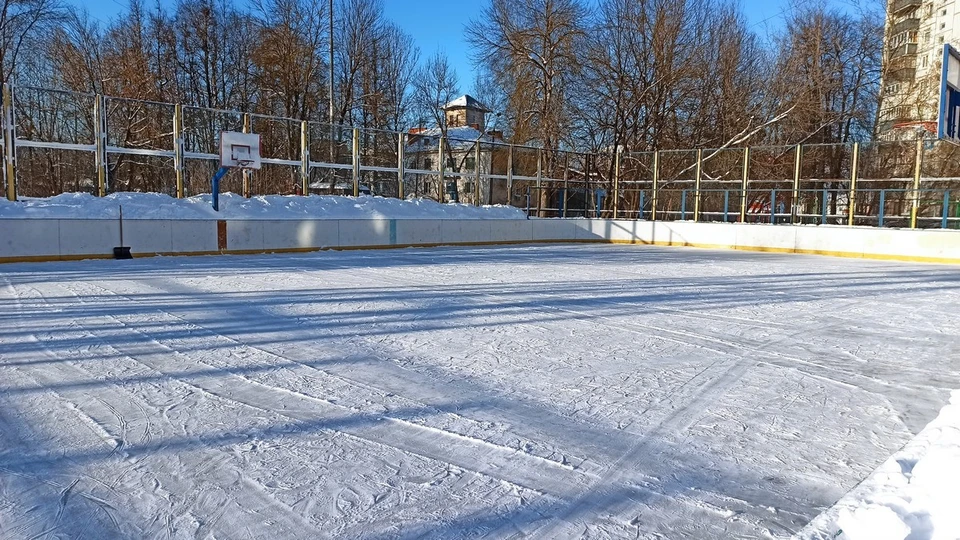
(438, 24)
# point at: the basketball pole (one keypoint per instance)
(215, 191)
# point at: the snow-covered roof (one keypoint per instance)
(466, 101)
(460, 138)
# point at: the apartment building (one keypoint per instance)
(915, 33)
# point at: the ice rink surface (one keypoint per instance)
(561, 391)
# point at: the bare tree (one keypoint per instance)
(22, 22)
(533, 48)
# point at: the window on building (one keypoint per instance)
(943, 12)
(926, 37)
(471, 163)
(943, 25)
(468, 187)
(940, 40)
(451, 162)
(426, 163)
(924, 61)
(929, 11)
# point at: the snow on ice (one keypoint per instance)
(233, 206)
(576, 391)
(915, 494)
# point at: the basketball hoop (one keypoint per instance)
(237, 151)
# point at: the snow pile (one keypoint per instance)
(232, 206)
(914, 495)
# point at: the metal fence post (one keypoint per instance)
(539, 180)
(795, 198)
(743, 184)
(510, 175)
(247, 173)
(824, 196)
(566, 179)
(304, 157)
(476, 185)
(946, 208)
(100, 143)
(616, 183)
(656, 186)
(178, 165)
(773, 206)
(401, 148)
(883, 204)
(9, 144)
(852, 197)
(696, 186)
(441, 165)
(356, 161)
(915, 202)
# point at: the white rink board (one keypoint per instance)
(29, 238)
(194, 236)
(363, 232)
(51, 238)
(418, 231)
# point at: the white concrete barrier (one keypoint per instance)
(418, 232)
(192, 236)
(26, 238)
(88, 237)
(149, 236)
(52, 239)
(364, 232)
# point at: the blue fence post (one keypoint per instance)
(823, 207)
(946, 208)
(563, 191)
(683, 206)
(883, 207)
(726, 204)
(528, 201)
(773, 206)
(640, 207)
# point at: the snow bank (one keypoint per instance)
(232, 206)
(914, 495)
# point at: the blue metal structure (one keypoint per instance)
(948, 122)
(221, 172)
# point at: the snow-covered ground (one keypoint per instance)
(233, 206)
(549, 392)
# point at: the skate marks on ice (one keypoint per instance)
(433, 393)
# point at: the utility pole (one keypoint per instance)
(331, 63)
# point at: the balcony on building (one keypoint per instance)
(902, 69)
(903, 49)
(906, 25)
(899, 7)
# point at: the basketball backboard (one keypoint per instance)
(240, 150)
(948, 122)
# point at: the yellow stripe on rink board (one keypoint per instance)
(763, 249)
(797, 251)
